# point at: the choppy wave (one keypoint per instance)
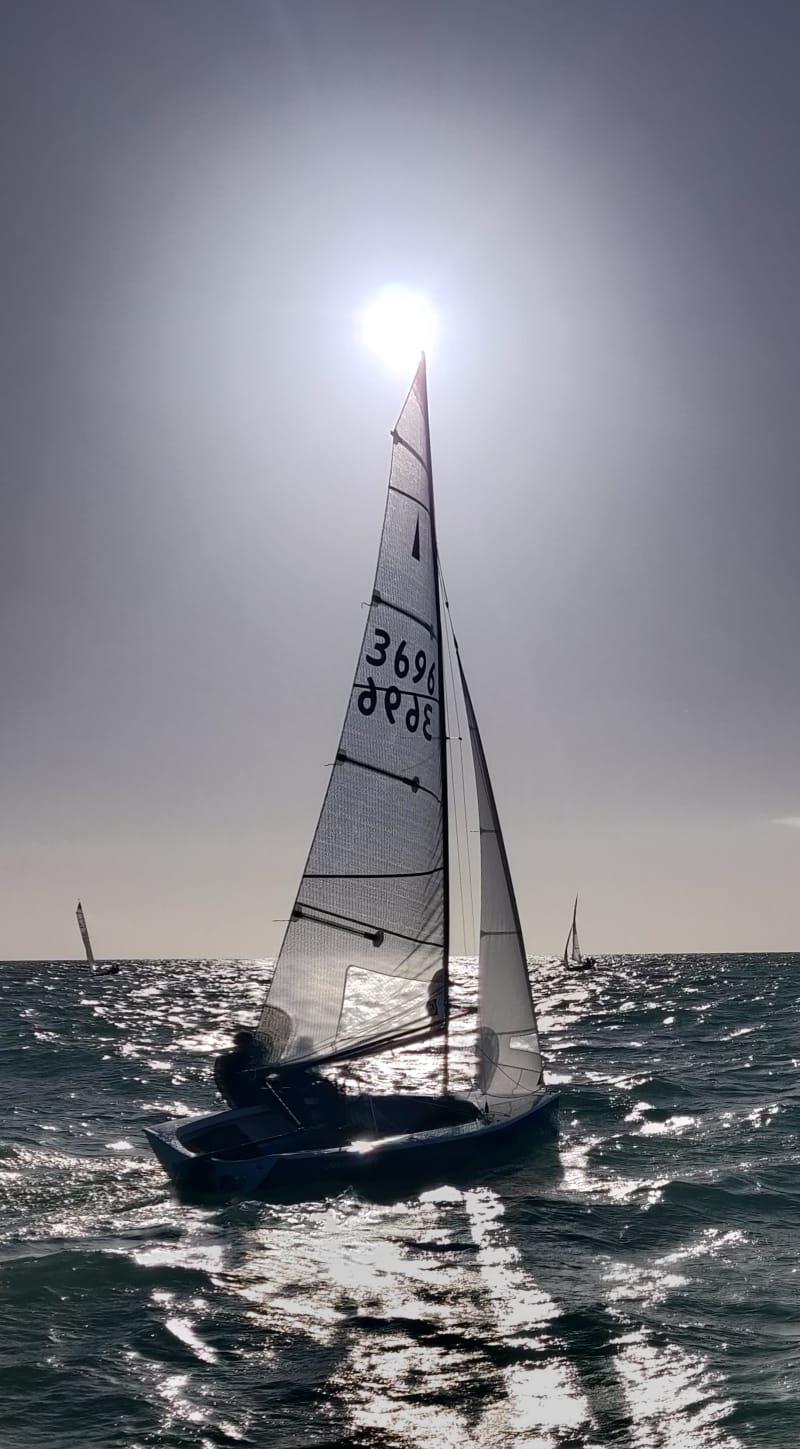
(634, 1284)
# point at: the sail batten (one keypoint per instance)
(363, 963)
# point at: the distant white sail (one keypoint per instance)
(509, 1057)
(572, 950)
(363, 963)
(84, 930)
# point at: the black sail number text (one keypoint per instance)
(381, 647)
(402, 663)
(367, 701)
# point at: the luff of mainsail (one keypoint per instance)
(84, 930)
(509, 1056)
(363, 962)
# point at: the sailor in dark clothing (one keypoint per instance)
(239, 1075)
(244, 1078)
(315, 1100)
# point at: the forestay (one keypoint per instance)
(509, 1058)
(364, 959)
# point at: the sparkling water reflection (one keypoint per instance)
(633, 1285)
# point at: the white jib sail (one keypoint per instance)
(84, 930)
(509, 1057)
(363, 961)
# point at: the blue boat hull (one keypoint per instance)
(288, 1167)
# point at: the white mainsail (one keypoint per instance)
(509, 1056)
(84, 930)
(363, 963)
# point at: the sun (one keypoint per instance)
(397, 325)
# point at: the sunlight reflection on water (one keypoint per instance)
(590, 1297)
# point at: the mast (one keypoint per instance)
(442, 742)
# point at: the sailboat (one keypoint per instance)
(573, 960)
(363, 967)
(98, 968)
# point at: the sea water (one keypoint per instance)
(633, 1283)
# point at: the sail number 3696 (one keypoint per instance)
(393, 697)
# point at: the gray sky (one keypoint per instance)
(197, 199)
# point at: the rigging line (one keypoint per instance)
(452, 769)
(447, 632)
(457, 833)
(463, 786)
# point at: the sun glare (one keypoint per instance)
(399, 324)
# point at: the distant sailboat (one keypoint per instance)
(364, 963)
(573, 960)
(109, 968)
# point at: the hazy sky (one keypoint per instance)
(197, 198)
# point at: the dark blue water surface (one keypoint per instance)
(635, 1283)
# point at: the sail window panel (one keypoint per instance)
(314, 999)
(524, 1042)
(508, 1064)
(401, 1003)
